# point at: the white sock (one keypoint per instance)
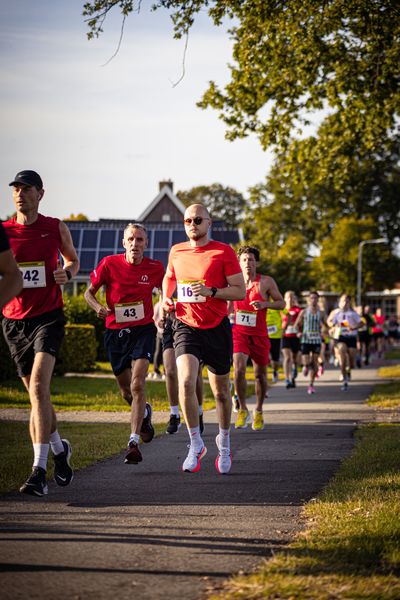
(40, 453)
(175, 410)
(200, 409)
(56, 444)
(195, 438)
(134, 438)
(223, 440)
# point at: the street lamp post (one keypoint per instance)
(360, 247)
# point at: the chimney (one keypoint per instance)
(168, 183)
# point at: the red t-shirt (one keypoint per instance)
(294, 312)
(129, 285)
(37, 246)
(247, 319)
(379, 323)
(211, 263)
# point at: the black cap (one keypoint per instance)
(29, 178)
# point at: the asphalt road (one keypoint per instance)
(152, 531)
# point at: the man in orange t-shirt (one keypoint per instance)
(207, 275)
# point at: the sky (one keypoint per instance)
(102, 137)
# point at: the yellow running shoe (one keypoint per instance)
(242, 419)
(258, 423)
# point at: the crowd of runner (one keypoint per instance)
(214, 310)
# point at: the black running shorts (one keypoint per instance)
(125, 345)
(275, 350)
(27, 337)
(350, 341)
(214, 346)
(308, 348)
(167, 339)
(292, 343)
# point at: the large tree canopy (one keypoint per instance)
(294, 57)
(222, 202)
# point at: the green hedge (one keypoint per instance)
(78, 312)
(78, 350)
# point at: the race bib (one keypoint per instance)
(125, 313)
(292, 329)
(246, 318)
(272, 329)
(313, 335)
(185, 293)
(33, 274)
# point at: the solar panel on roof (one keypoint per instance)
(107, 238)
(90, 238)
(161, 255)
(87, 259)
(161, 239)
(76, 236)
(179, 236)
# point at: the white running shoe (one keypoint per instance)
(224, 458)
(192, 461)
(275, 377)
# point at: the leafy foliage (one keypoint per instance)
(336, 267)
(79, 217)
(78, 312)
(222, 202)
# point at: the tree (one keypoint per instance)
(79, 217)
(222, 202)
(336, 267)
(295, 57)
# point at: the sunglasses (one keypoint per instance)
(196, 220)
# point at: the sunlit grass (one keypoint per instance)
(93, 394)
(351, 549)
(386, 395)
(393, 371)
(91, 442)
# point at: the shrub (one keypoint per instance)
(78, 350)
(78, 312)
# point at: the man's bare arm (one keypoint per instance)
(68, 252)
(11, 282)
(235, 291)
(90, 297)
(269, 289)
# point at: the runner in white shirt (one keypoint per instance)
(348, 321)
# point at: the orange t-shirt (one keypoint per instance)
(212, 264)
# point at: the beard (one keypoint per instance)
(197, 235)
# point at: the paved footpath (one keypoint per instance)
(152, 531)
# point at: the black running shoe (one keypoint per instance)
(63, 474)
(147, 430)
(174, 424)
(201, 424)
(293, 383)
(133, 456)
(36, 484)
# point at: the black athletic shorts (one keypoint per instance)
(125, 345)
(364, 337)
(378, 334)
(293, 343)
(213, 346)
(168, 338)
(307, 348)
(27, 337)
(275, 350)
(350, 341)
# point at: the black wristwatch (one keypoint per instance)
(214, 291)
(68, 274)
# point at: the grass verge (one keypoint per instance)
(393, 354)
(393, 371)
(88, 393)
(91, 442)
(386, 395)
(352, 548)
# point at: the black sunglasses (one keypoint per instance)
(196, 220)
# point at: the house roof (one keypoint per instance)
(165, 191)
